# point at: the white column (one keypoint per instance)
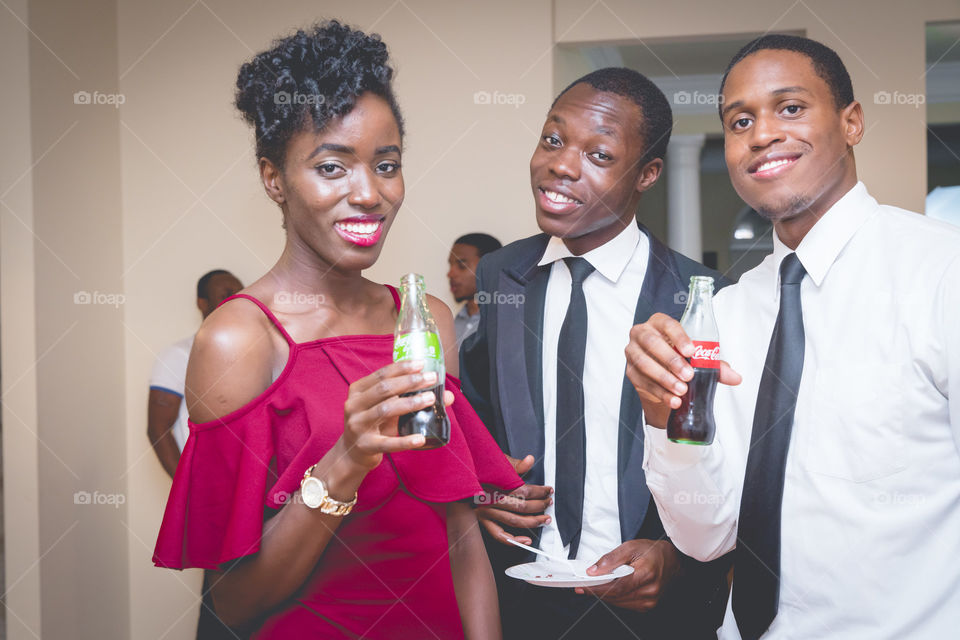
(683, 195)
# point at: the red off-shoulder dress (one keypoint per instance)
(386, 572)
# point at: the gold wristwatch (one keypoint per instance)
(314, 495)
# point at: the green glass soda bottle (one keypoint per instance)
(416, 338)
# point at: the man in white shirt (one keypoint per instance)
(462, 275)
(166, 408)
(835, 470)
(545, 371)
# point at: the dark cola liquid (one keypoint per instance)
(431, 422)
(693, 422)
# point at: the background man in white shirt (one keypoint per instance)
(462, 275)
(166, 409)
(589, 277)
(844, 504)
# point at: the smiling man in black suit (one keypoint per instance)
(545, 370)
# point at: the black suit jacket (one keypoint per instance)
(501, 370)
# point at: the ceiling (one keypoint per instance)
(685, 56)
(696, 56)
(681, 58)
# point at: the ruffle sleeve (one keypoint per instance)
(211, 517)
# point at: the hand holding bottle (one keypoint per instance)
(374, 405)
(658, 368)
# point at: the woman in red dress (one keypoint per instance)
(291, 384)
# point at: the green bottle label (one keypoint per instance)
(422, 345)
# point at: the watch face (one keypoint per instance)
(313, 492)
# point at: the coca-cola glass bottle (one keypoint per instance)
(416, 338)
(693, 422)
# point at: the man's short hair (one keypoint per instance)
(482, 242)
(826, 63)
(657, 116)
(204, 282)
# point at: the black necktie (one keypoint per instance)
(571, 435)
(756, 583)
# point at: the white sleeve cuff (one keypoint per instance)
(665, 456)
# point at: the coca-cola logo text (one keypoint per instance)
(701, 352)
(706, 355)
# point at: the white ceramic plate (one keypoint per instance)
(556, 574)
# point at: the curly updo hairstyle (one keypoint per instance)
(309, 79)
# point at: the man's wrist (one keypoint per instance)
(673, 559)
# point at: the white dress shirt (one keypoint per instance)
(870, 546)
(611, 293)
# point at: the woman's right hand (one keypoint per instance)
(375, 403)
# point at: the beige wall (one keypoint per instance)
(140, 201)
(18, 335)
(66, 360)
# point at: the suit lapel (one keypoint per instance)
(519, 309)
(661, 283)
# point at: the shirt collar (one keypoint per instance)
(610, 259)
(822, 245)
(463, 313)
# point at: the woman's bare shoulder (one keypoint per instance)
(231, 362)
